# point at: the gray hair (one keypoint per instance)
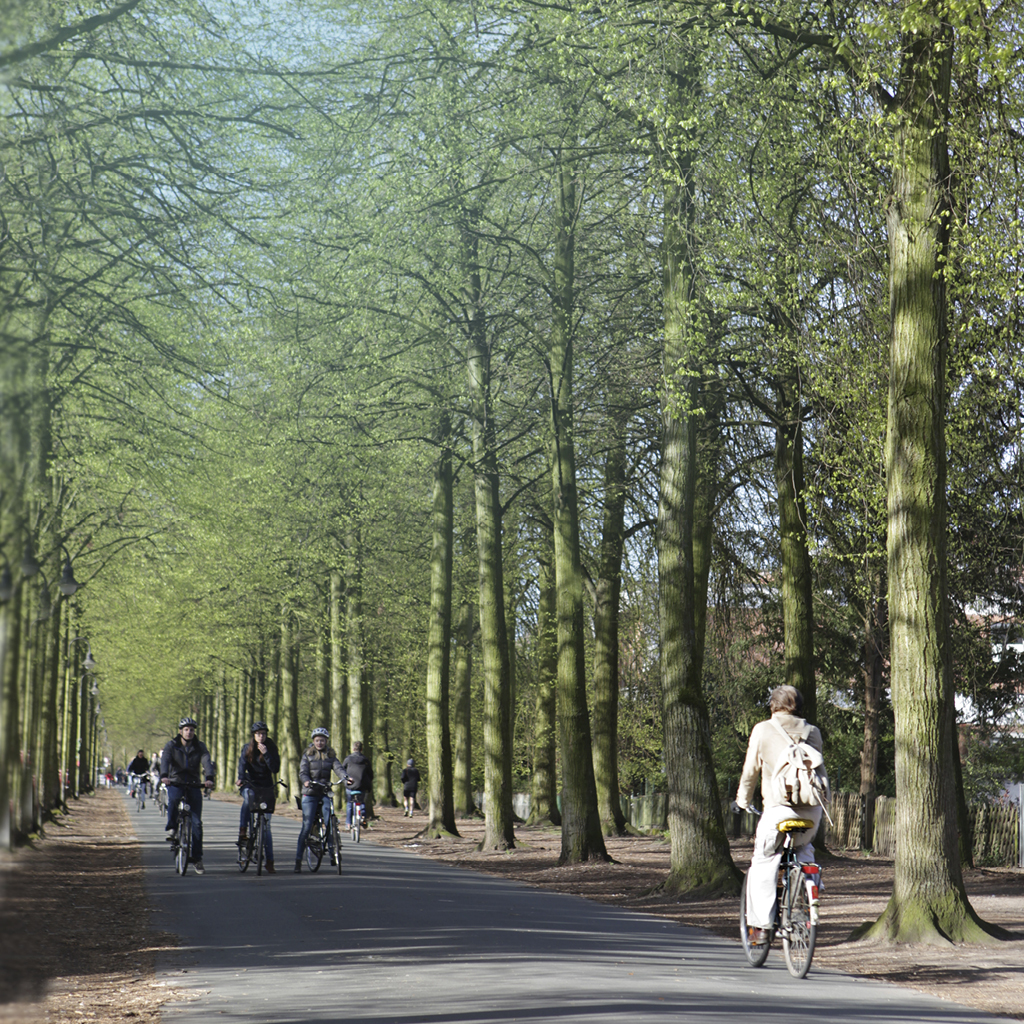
(784, 698)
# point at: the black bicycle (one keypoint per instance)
(138, 784)
(796, 908)
(181, 845)
(264, 801)
(322, 831)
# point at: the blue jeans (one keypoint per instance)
(309, 808)
(194, 794)
(248, 806)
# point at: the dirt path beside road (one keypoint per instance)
(76, 946)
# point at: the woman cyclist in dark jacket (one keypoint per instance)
(258, 763)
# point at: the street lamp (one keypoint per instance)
(68, 584)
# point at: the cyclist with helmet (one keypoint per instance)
(185, 768)
(315, 767)
(258, 763)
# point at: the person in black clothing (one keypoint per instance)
(358, 777)
(138, 767)
(185, 768)
(410, 783)
(258, 763)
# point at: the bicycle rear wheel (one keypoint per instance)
(357, 821)
(756, 952)
(181, 856)
(261, 824)
(336, 837)
(315, 846)
(798, 931)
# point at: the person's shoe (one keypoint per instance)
(757, 936)
(270, 867)
(334, 860)
(170, 838)
(198, 865)
(243, 837)
(298, 867)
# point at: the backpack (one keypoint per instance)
(800, 779)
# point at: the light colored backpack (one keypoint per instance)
(800, 779)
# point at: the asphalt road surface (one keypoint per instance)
(399, 939)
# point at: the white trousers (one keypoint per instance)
(764, 864)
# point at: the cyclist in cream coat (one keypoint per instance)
(763, 752)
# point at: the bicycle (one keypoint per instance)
(138, 791)
(161, 798)
(317, 840)
(181, 845)
(259, 828)
(796, 908)
(358, 813)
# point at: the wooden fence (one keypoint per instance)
(996, 829)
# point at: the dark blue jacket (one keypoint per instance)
(185, 765)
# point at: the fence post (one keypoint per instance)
(1020, 824)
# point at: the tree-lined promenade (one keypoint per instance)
(526, 388)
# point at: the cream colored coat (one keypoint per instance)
(763, 752)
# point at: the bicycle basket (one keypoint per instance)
(267, 795)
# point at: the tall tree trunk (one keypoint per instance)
(462, 702)
(49, 763)
(700, 857)
(929, 903)
(323, 666)
(607, 588)
(582, 838)
(544, 790)
(358, 689)
(439, 645)
(339, 676)
(872, 660)
(797, 610)
(291, 740)
(10, 663)
(498, 830)
(383, 791)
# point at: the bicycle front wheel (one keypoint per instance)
(756, 952)
(336, 837)
(314, 847)
(261, 825)
(798, 930)
(245, 851)
(184, 842)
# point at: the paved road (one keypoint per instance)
(399, 939)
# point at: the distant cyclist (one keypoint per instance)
(138, 769)
(185, 768)
(315, 767)
(359, 777)
(258, 764)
